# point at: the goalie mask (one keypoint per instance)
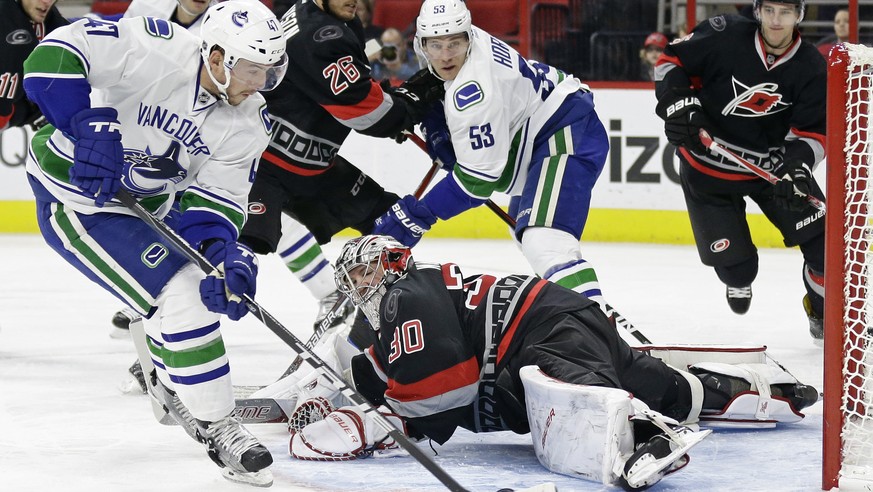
(252, 41)
(438, 18)
(801, 7)
(366, 267)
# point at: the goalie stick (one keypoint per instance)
(714, 146)
(182, 246)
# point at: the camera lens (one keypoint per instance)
(389, 53)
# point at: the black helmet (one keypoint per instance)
(801, 5)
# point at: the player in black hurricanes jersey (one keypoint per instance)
(760, 91)
(327, 93)
(455, 351)
(24, 23)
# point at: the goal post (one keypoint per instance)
(847, 442)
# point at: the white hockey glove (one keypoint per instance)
(346, 434)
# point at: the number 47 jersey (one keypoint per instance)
(499, 106)
(176, 135)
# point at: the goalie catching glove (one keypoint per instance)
(345, 434)
(683, 118)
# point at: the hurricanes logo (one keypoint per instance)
(757, 100)
(19, 36)
(146, 174)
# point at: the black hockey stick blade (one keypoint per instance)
(286, 336)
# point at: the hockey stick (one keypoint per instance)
(506, 218)
(182, 246)
(340, 304)
(437, 164)
(712, 145)
(510, 221)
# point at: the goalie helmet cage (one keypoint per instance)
(847, 442)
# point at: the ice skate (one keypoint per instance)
(121, 322)
(658, 457)
(242, 457)
(134, 382)
(816, 323)
(739, 298)
(239, 454)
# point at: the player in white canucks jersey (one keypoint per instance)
(299, 250)
(146, 106)
(514, 126)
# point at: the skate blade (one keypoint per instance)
(117, 333)
(263, 478)
(131, 386)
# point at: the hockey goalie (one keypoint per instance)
(523, 354)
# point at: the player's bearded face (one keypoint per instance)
(447, 54)
(778, 21)
(343, 10)
(37, 10)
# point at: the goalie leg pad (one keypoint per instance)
(756, 407)
(577, 430)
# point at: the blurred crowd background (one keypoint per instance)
(596, 40)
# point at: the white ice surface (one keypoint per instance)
(64, 426)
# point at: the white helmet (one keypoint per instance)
(245, 30)
(367, 257)
(441, 18)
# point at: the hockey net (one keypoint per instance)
(848, 385)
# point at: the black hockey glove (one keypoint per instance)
(419, 92)
(683, 118)
(794, 185)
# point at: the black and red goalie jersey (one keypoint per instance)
(326, 93)
(449, 348)
(757, 103)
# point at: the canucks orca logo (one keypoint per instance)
(468, 95)
(146, 174)
(240, 18)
